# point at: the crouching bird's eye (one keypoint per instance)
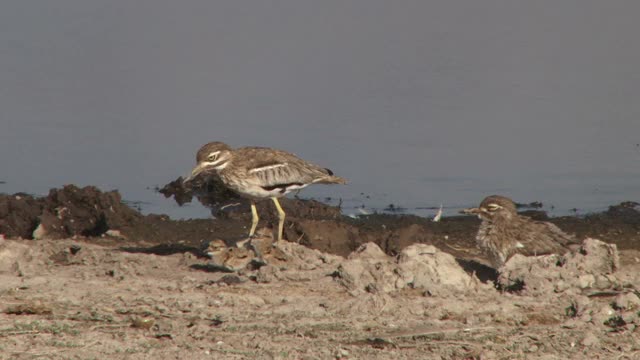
(493, 207)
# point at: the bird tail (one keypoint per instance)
(328, 178)
(332, 179)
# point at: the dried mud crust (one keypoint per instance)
(76, 299)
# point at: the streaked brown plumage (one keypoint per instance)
(259, 173)
(503, 233)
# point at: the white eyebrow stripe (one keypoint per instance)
(222, 166)
(268, 167)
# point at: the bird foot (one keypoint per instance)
(247, 240)
(278, 242)
(256, 250)
(255, 244)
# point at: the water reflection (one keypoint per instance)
(418, 104)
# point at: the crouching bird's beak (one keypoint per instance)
(470, 211)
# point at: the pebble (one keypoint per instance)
(115, 234)
(590, 340)
(342, 353)
(586, 281)
(602, 282)
(143, 323)
(628, 301)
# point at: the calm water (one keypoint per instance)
(417, 103)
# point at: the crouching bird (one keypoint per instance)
(503, 233)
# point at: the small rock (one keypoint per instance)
(590, 340)
(36, 307)
(581, 304)
(143, 323)
(115, 234)
(267, 274)
(39, 233)
(603, 315)
(368, 251)
(74, 249)
(586, 281)
(628, 301)
(602, 282)
(629, 317)
(342, 353)
(230, 280)
(425, 267)
(561, 286)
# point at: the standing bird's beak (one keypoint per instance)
(196, 170)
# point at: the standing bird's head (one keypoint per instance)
(494, 208)
(212, 156)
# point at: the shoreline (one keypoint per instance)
(88, 212)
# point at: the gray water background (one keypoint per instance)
(417, 103)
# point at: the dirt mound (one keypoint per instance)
(590, 268)
(583, 276)
(207, 187)
(366, 270)
(72, 211)
(418, 266)
(19, 215)
(65, 212)
(619, 225)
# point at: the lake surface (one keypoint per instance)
(416, 103)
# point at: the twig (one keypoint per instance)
(438, 332)
(23, 332)
(229, 205)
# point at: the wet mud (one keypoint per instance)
(88, 212)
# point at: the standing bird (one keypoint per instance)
(503, 233)
(258, 173)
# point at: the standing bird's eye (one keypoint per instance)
(212, 157)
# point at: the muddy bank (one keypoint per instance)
(88, 212)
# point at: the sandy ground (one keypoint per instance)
(84, 276)
(96, 298)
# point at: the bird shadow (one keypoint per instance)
(211, 268)
(171, 249)
(483, 272)
(165, 250)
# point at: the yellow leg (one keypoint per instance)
(254, 219)
(281, 216)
